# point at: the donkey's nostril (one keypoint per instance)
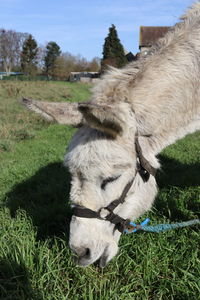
(81, 252)
(87, 253)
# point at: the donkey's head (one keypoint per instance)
(107, 188)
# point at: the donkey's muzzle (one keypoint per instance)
(81, 252)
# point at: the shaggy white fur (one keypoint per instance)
(157, 98)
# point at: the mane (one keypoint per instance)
(113, 85)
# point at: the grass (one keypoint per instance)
(35, 262)
(17, 124)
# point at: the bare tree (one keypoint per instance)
(40, 58)
(10, 48)
(95, 65)
(67, 63)
(22, 37)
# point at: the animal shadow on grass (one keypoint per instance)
(44, 197)
(179, 190)
(14, 281)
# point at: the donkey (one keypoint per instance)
(133, 114)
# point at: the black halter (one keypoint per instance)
(106, 213)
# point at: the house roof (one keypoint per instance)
(150, 34)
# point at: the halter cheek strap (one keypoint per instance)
(145, 169)
(106, 213)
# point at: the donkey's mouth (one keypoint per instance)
(86, 260)
(103, 259)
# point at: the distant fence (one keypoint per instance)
(27, 78)
(86, 77)
(5, 74)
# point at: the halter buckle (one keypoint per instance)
(103, 213)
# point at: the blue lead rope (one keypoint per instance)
(132, 227)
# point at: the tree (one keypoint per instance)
(52, 53)
(29, 56)
(10, 49)
(62, 67)
(40, 58)
(94, 65)
(67, 63)
(113, 51)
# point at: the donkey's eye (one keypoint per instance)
(108, 180)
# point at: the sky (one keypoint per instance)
(80, 27)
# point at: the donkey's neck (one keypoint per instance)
(165, 92)
(163, 121)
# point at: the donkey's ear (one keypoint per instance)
(60, 112)
(103, 117)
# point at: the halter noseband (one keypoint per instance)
(145, 169)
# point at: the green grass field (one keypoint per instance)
(35, 261)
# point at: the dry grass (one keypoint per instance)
(16, 123)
